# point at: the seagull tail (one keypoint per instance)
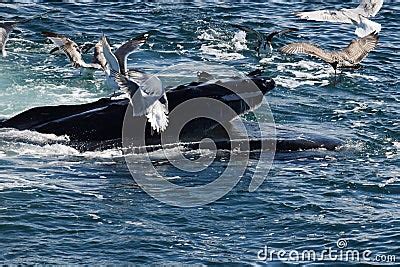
(158, 116)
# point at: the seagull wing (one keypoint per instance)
(309, 49)
(139, 76)
(58, 39)
(275, 33)
(369, 8)
(5, 30)
(134, 93)
(343, 15)
(112, 61)
(358, 49)
(128, 48)
(72, 51)
(98, 56)
(69, 47)
(366, 8)
(154, 99)
(147, 97)
(152, 86)
(249, 30)
(366, 26)
(125, 84)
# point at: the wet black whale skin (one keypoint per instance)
(93, 125)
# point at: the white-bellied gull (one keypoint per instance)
(118, 61)
(357, 16)
(146, 93)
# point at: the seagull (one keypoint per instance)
(264, 40)
(71, 49)
(7, 27)
(147, 99)
(357, 16)
(118, 61)
(349, 57)
(145, 92)
(98, 57)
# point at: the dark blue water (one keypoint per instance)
(58, 205)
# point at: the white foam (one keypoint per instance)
(213, 51)
(239, 41)
(291, 83)
(360, 75)
(94, 216)
(37, 144)
(13, 135)
(208, 35)
(310, 73)
(301, 73)
(389, 182)
(220, 46)
(135, 223)
(397, 145)
(44, 94)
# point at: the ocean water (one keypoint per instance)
(58, 205)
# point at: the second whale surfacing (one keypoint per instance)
(99, 125)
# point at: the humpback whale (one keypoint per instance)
(98, 125)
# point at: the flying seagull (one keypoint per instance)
(147, 99)
(264, 40)
(357, 16)
(98, 57)
(146, 93)
(349, 57)
(71, 49)
(118, 61)
(8, 26)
